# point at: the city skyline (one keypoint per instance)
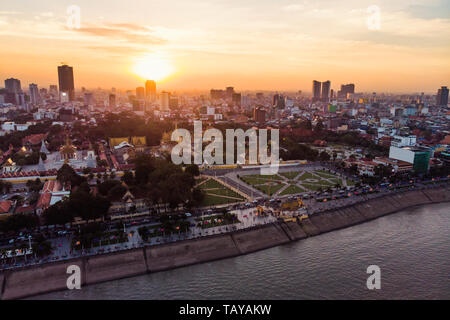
(260, 45)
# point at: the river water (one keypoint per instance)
(412, 249)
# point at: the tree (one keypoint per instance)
(193, 170)
(86, 170)
(319, 126)
(116, 192)
(324, 156)
(102, 163)
(58, 214)
(42, 248)
(143, 167)
(108, 185)
(5, 186)
(17, 222)
(128, 178)
(34, 185)
(66, 174)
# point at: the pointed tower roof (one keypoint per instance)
(41, 166)
(44, 148)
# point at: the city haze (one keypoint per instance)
(256, 45)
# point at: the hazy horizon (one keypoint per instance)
(253, 45)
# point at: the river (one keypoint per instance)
(412, 249)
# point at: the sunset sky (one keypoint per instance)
(249, 44)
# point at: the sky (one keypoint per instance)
(248, 44)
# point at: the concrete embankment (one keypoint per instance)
(114, 266)
(261, 238)
(174, 255)
(38, 279)
(33, 280)
(293, 230)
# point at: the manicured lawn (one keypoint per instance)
(224, 192)
(336, 181)
(210, 184)
(290, 175)
(292, 189)
(313, 187)
(307, 175)
(255, 179)
(265, 176)
(210, 200)
(199, 180)
(270, 190)
(325, 183)
(324, 174)
(213, 191)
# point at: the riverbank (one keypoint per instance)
(28, 281)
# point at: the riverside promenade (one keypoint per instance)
(38, 279)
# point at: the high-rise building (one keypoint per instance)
(150, 90)
(345, 90)
(66, 83)
(112, 101)
(316, 86)
(236, 98)
(13, 85)
(89, 98)
(13, 89)
(53, 90)
(442, 96)
(275, 98)
(34, 93)
(42, 92)
(217, 94)
(164, 101)
(259, 115)
(326, 86)
(229, 92)
(173, 102)
(140, 93)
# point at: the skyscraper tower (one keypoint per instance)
(53, 90)
(316, 90)
(13, 91)
(150, 90)
(13, 85)
(112, 101)
(140, 93)
(164, 101)
(34, 93)
(66, 84)
(442, 96)
(229, 92)
(326, 86)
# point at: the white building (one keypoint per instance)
(404, 141)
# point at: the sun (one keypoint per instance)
(151, 67)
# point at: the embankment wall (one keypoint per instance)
(33, 280)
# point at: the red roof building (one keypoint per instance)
(34, 139)
(5, 206)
